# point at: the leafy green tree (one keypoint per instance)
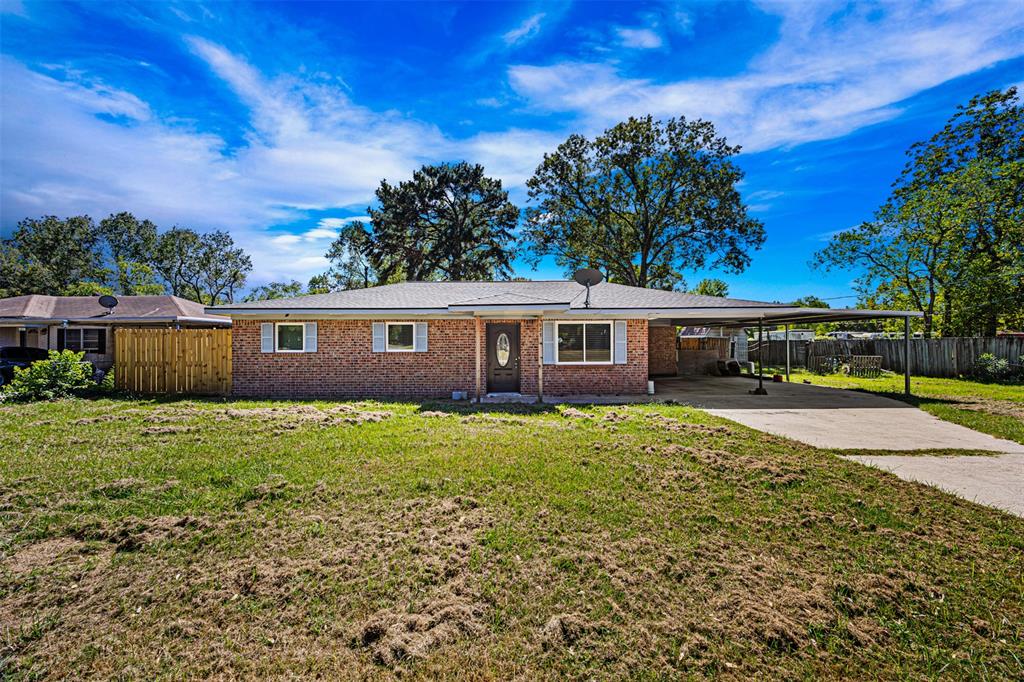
(711, 287)
(351, 267)
(319, 284)
(273, 290)
(207, 268)
(130, 244)
(51, 255)
(949, 241)
(643, 201)
(811, 301)
(137, 278)
(449, 222)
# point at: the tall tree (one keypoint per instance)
(207, 268)
(711, 287)
(643, 201)
(450, 221)
(130, 245)
(949, 241)
(350, 263)
(51, 255)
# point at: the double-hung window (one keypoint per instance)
(584, 343)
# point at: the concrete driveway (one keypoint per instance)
(851, 420)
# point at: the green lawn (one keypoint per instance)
(997, 409)
(151, 540)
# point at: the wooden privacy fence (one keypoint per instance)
(946, 357)
(194, 361)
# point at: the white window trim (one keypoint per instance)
(611, 347)
(387, 337)
(289, 324)
(80, 329)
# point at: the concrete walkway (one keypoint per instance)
(994, 481)
(852, 420)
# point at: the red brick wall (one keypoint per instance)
(346, 366)
(661, 350)
(627, 379)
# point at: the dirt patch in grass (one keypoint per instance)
(1005, 408)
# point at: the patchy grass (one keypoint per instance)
(996, 409)
(345, 540)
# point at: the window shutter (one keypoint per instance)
(267, 337)
(420, 344)
(101, 342)
(61, 338)
(310, 337)
(549, 343)
(620, 342)
(379, 330)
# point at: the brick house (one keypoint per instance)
(432, 339)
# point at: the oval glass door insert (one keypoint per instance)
(503, 349)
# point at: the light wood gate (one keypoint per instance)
(194, 361)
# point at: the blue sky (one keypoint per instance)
(277, 122)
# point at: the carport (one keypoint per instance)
(787, 316)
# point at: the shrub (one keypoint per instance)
(63, 375)
(988, 367)
(106, 384)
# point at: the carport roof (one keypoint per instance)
(746, 317)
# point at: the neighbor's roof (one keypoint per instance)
(139, 309)
(468, 296)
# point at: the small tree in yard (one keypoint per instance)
(63, 375)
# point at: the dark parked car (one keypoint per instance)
(18, 356)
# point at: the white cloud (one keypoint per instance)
(829, 73)
(75, 145)
(524, 31)
(643, 38)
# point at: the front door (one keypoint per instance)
(502, 357)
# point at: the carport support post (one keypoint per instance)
(906, 355)
(787, 352)
(760, 354)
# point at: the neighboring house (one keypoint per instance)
(80, 323)
(427, 339)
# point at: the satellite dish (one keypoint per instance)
(588, 278)
(109, 302)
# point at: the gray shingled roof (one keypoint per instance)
(36, 307)
(441, 295)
